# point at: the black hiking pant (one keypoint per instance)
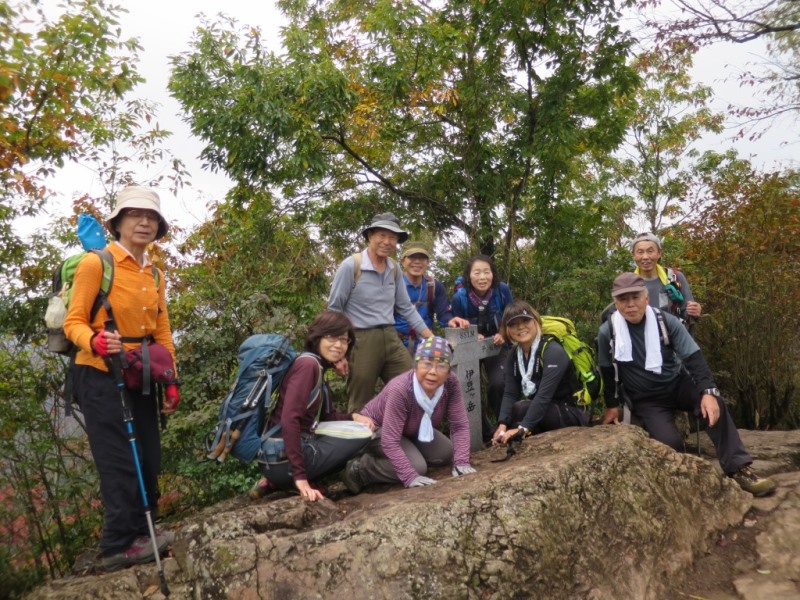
(496, 375)
(657, 414)
(322, 456)
(100, 403)
(557, 416)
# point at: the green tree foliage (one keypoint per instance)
(745, 246)
(654, 165)
(648, 183)
(452, 114)
(247, 270)
(56, 81)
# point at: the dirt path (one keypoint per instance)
(759, 560)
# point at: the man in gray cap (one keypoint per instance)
(368, 287)
(668, 288)
(649, 360)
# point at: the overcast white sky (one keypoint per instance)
(165, 27)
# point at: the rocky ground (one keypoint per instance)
(759, 559)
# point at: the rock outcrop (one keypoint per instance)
(597, 513)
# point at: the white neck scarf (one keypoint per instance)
(427, 405)
(623, 349)
(528, 386)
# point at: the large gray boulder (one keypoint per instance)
(597, 513)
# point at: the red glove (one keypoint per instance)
(100, 343)
(172, 397)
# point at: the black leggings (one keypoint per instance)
(557, 416)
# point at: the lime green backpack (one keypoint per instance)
(58, 304)
(580, 354)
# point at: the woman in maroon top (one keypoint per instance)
(311, 457)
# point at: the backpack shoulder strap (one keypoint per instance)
(612, 343)
(315, 392)
(539, 358)
(498, 300)
(318, 387)
(546, 339)
(431, 289)
(673, 276)
(398, 274)
(662, 327)
(106, 281)
(462, 297)
(356, 268)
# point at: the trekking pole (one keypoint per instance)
(510, 450)
(127, 417)
(226, 442)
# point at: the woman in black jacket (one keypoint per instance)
(541, 384)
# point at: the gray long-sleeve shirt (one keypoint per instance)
(375, 297)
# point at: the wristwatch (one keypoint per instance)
(713, 392)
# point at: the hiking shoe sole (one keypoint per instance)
(750, 482)
(351, 478)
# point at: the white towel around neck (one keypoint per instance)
(623, 349)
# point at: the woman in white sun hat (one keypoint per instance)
(138, 305)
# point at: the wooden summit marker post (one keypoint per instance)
(468, 350)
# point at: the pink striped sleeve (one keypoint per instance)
(396, 415)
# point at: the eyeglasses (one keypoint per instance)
(333, 339)
(139, 214)
(427, 365)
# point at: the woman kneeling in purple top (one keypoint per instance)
(409, 411)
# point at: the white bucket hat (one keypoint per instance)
(136, 196)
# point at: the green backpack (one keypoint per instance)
(58, 304)
(580, 354)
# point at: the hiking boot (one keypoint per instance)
(352, 476)
(141, 551)
(750, 482)
(164, 538)
(262, 487)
